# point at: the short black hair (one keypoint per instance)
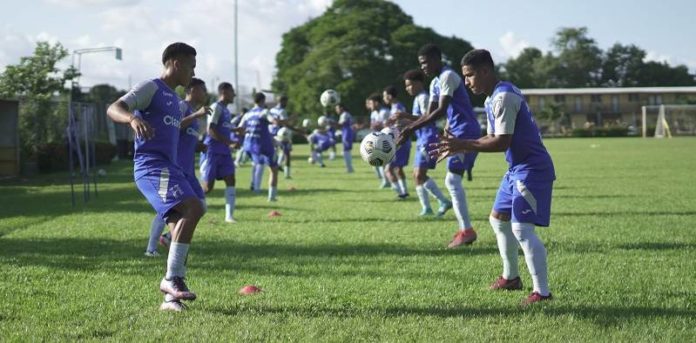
(283, 98)
(391, 90)
(375, 97)
(478, 58)
(414, 75)
(259, 98)
(342, 106)
(176, 50)
(224, 85)
(430, 50)
(194, 82)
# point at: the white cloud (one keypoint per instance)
(81, 3)
(657, 57)
(511, 44)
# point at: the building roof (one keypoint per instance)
(608, 90)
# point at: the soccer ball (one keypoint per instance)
(377, 149)
(329, 98)
(392, 131)
(284, 134)
(306, 123)
(323, 121)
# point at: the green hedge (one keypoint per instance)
(601, 132)
(54, 156)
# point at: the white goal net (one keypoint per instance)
(662, 121)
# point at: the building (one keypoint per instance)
(606, 106)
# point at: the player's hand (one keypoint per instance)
(142, 129)
(447, 146)
(404, 135)
(203, 111)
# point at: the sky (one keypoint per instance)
(142, 28)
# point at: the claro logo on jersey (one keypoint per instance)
(171, 121)
(191, 131)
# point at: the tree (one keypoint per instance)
(356, 47)
(621, 66)
(36, 81)
(580, 59)
(522, 71)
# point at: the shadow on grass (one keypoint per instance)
(657, 246)
(623, 214)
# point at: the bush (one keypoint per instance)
(601, 132)
(54, 156)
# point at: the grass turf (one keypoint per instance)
(346, 262)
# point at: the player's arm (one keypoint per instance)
(121, 111)
(212, 127)
(188, 120)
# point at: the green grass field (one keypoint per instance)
(346, 262)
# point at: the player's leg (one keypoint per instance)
(226, 170)
(457, 165)
(531, 206)
(423, 163)
(402, 180)
(207, 169)
(507, 243)
(390, 174)
(156, 229)
(419, 177)
(273, 180)
(287, 149)
(257, 172)
(347, 156)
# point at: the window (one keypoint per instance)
(615, 103)
(633, 97)
(596, 98)
(541, 102)
(559, 98)
(578, 103)
(658, 100)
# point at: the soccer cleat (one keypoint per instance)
(508, 285)
(165, 239)
(535, 297)
(444, 207)
(463, 237)
(174, 305)
(403, 196)
(274, 199)
(176, 287)
(152, 253)
(426, 212)
(230, 220)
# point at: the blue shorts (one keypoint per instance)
(195, 186)
(165, 188)
(347, 144)
(286, 147)
(268, 158)
(216, 166)
(460, 163)
(526, 201)
(423, 160)
(401, 157)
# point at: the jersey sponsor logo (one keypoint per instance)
(528, 211)
(171, 121)
(167, 94)
(169, 103)
(191, 131)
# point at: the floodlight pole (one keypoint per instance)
(236, 57)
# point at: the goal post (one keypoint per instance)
(668, 120)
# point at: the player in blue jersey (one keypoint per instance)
(414, 81)
(395, 168)
(448, 98)
(152, 111)
(196, 97)
(524, 196)
(319, 141)
(216, 162)
(345, 124)
(379, 114)
(332, 120)
(259, 143)
(279, 118)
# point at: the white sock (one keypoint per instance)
(319, 158)
(458, 195)
(238, 160)
(287, 171)
(423, 196)
(332, 155)
(177, 259)
(156, 229)
(272, 192)
(397, 188)
(378, 172)
(258, 176)
(534, 255)
(348, 158)
(230, 198)
(507, 246)
(402, 184)
(434, 190)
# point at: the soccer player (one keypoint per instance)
(258, 142)
(524, 196)
(320, 140)
(216, 162)
(151, 109)
(196, 97)
(331, 130)
(280, 118)
(395, 168)
(345, 121)
(414, 81)
(378, 117)
(448, 97)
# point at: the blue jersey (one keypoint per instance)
(427, 133)
(508, 114)
(346, 122)
(158, 105)
(188, 139)
(220, 120)
(278, 113)
(461, 118)
(321, 140)
(258, 139)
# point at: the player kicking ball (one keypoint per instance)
(524, 197)
(448, 98)
(259, 143)
(152, 111)
(216, 162)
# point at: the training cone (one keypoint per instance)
(274, 214)
(249, 290)
(292, 189)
